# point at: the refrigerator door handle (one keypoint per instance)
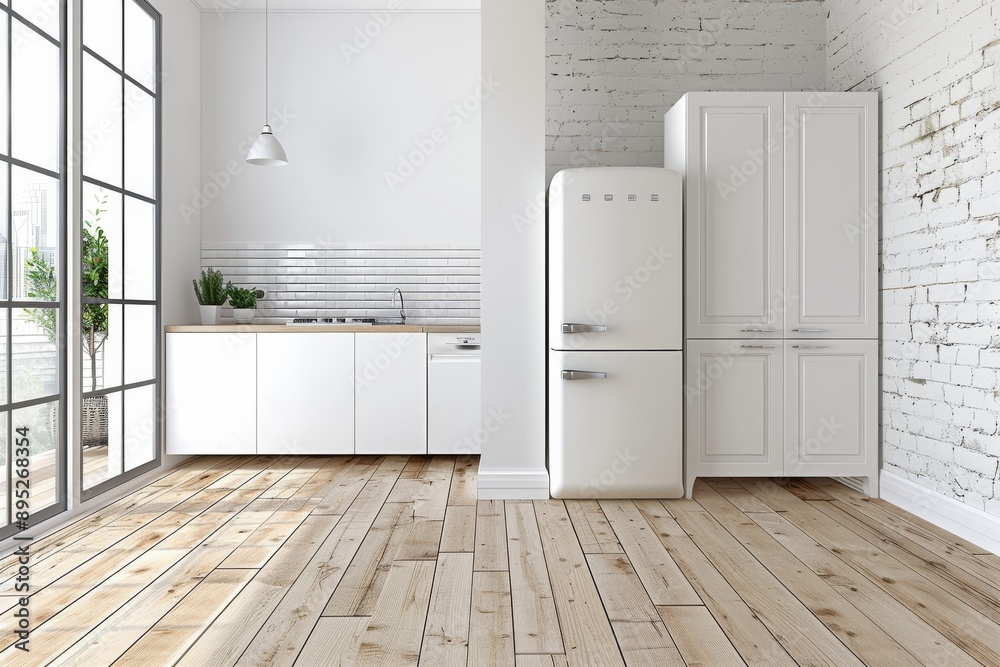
(583, 375)
(569, 327)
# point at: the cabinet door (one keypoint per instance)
(454, 404)
(615, 424)
(733, 399)
(390, 393)
(305, 392)
(831, 408)
(211, 393)
(831, 213)
(615, 259)
(734, 218)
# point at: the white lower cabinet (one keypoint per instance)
(831, 399)
(211, 393)
(305, 392)
(390, 394)
(734, 402)
(782, 408)
(296, 393)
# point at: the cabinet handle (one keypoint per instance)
(810, 330)
(583, 375)
(810, 347)
(758, 330)
(582, 328)
(758, 347)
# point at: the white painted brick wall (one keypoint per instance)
(936, 65)
(616, 66)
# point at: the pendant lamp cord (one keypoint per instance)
(266, 60)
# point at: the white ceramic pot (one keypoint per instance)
(210, 315)
(243, 315)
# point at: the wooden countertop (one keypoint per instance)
(321, 328)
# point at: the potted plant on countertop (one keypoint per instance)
(211, 292)
(244, 303)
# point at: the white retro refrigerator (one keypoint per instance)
(615, 360)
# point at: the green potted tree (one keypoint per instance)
(244, 303)
(41, 285)
(211, 291)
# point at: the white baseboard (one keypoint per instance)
(513, 484)
(974, 525)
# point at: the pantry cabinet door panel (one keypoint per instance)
(831, 408)
(831, 191)
(734, 218)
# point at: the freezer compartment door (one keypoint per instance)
(615, 259)
(615, 424)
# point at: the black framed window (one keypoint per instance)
(32, 262)
(120, 291)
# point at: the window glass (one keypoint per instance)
(140, 426)
(34, 353)
(140, 45)
(42, 13)
(3, 84)
(102, 122)
(102, 438)
(140, 137)
(37, 427)
(4, 399)
(140, 343)
(35, 99)
(34, 235)
(140, 249)
(102, 29)
(4, 236)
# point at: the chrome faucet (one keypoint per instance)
(402, 308)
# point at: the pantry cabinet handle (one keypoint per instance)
(810, 347)
(583, 375)
(810, 330)
(758, 330)
(758, 347)
(582, 328)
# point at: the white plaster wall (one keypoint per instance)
(513, 237)
(181, 155)
(616, 66)
(379, 113)
(936, 66)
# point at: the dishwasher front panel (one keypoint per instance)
(454, 396)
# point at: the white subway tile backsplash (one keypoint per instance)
(440, 281)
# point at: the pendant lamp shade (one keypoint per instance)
(267, 150)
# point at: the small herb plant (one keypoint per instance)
(240, 297)
(210, 289)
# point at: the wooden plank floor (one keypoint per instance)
(317, 561)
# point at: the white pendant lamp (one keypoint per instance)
(267, 150)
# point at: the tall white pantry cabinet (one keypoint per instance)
(781, 283)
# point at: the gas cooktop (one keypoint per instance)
(349, 321)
